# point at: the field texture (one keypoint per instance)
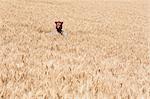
(106, 53)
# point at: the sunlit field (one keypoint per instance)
(105, 55)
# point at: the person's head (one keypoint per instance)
(59, 26)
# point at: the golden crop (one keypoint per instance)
(106, 53)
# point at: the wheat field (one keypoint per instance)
(105, 55)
